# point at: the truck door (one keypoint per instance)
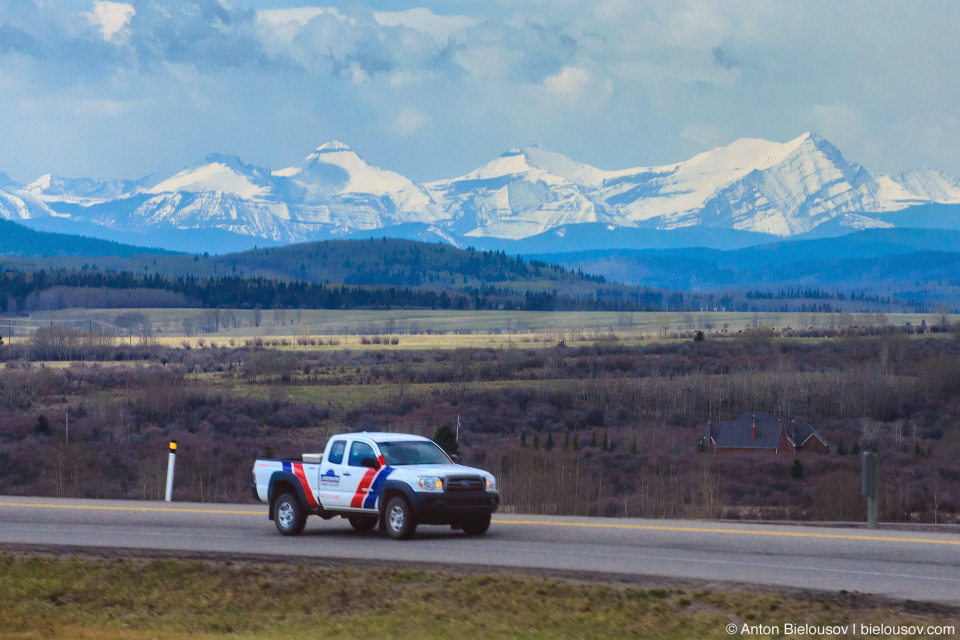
(360, 478)
(331, 474)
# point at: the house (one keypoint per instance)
(757, 432)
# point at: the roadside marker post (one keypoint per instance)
(871, 486)
(170, 464)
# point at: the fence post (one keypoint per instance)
(170, 464)
(871, 486)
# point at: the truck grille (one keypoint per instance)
(455, 485)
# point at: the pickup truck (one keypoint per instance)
(396, 480)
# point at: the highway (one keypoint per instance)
(897, 564)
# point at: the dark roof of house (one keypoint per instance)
(736, 433)
(799, 430)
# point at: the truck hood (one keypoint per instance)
(440, 470)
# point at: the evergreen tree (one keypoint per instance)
(536, 441)
(796, 469)
(549, 443)
(446, 439)
(633, 446)
(855, 451)
(841, 450)
(576, 442)
(566, 440)
(523, 438)
(916, 449)
(606, 442)
(43, 425)
(593, 438)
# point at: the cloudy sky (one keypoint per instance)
(435, 88)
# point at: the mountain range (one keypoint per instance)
(529, 199)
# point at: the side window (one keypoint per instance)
(358, 452)
(336, 452)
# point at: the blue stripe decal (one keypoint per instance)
(288, 467)
(370, 501)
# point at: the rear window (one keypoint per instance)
(336, 451)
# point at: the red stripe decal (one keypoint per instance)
(365, 483)
(298, 471)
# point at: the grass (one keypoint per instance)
(351, 396)
(100, 599)
(483, 324)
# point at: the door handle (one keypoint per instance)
(346, 473)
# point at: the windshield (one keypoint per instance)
(412, 452)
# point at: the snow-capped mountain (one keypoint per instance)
(750, 185)
(522, 193)
(80, 190)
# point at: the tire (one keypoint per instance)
(289, 515)
(363, 523)
(401, 523)
(477, 527)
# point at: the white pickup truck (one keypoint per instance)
(397, 480)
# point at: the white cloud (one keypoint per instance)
(285, 24)
(111, 18)
(439, 27)
(575, 86)
(410, 121)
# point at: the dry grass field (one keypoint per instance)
(334, 330)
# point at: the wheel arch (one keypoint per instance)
(285, 482)
(394, 488)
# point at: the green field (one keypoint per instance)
(134, 599)
(450, 329)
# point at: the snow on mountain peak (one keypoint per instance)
(750, 184)
(332, 146)
(929, 183)
(219, 174)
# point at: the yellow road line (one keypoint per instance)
(106, 508)
(584, 525)
(752, 532)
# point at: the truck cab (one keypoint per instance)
(396, 480)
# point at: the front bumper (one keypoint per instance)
(454, 508)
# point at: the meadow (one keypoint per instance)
(437, 329)
(112, 598)
(605, 425)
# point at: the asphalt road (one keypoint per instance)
(902, 565)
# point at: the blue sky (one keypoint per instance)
(435, 89)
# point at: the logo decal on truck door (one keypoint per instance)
(329, 479)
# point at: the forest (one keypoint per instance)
(601, 429)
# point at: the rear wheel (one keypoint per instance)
(363, 523)
(478, 526)
(401, 522)
(289, 515)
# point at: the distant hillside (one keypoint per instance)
(17, 240)
(381, 262)
(907, 263)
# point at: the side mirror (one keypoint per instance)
(456, 459)
(369, 463)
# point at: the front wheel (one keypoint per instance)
(362, 523)
(477, 527)
(401, 522)
(289, 515)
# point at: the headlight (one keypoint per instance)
(430, 483)
(491, 483)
